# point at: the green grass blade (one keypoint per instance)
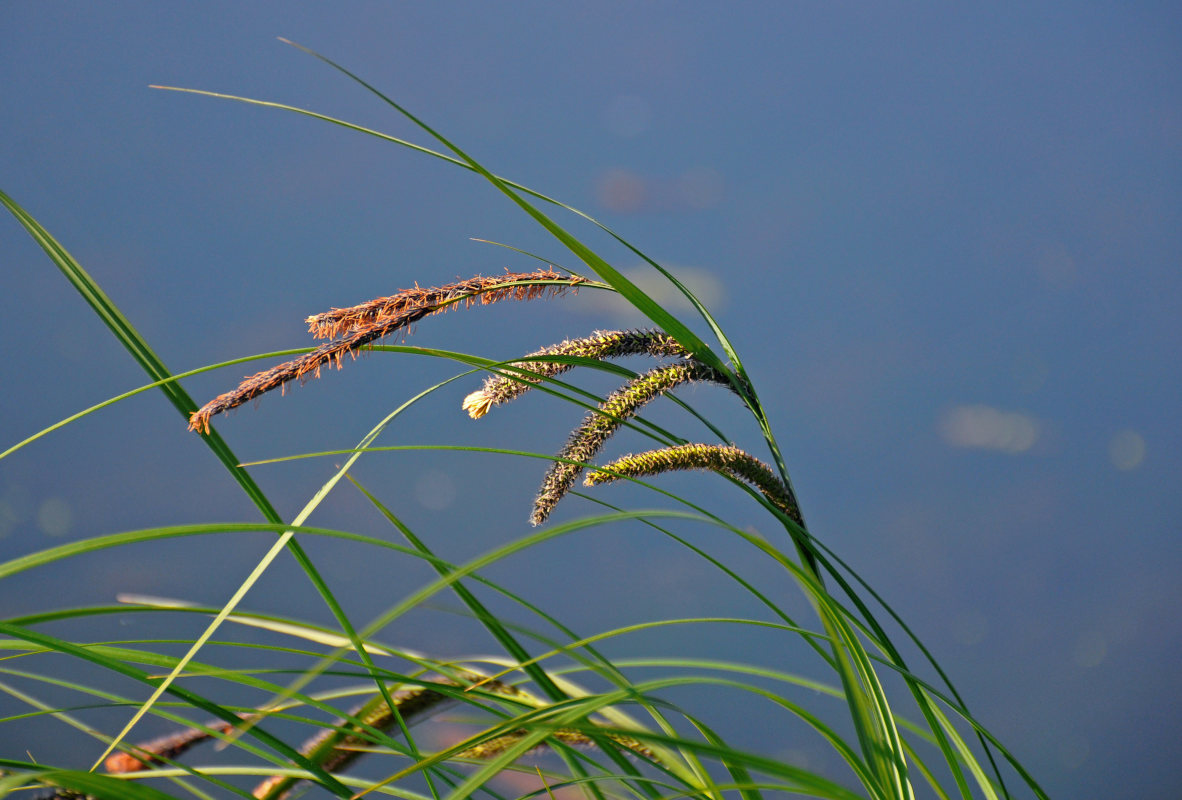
(65, 717)
(135, 344)
(95, 656)
(645, 304)
(880, 757)
(478, 609)
(100, 787)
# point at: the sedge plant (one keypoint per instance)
(902, 731)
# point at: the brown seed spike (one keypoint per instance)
(511, 286)
(364, 324)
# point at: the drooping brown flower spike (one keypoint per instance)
(358, 326)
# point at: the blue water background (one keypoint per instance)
(945, 241)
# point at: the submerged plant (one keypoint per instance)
(347, 739)
(617, 735)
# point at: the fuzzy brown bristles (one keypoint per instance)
(365, 324)
(277, 376)
(511, 286)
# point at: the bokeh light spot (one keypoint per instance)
(1126, 450)
(54, 517)
(435, 490)
(988, 428)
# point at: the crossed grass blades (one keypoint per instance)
(352, 329)
(358, 326)
(347, 739)
(881, 757)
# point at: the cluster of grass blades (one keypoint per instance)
(616, 736)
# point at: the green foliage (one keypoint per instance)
(545, 689)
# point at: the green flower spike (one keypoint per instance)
(600, 345)
(719, 458)
(599, 426)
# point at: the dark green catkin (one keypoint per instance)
(600, 345)
(599, 426)
(719, 458)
